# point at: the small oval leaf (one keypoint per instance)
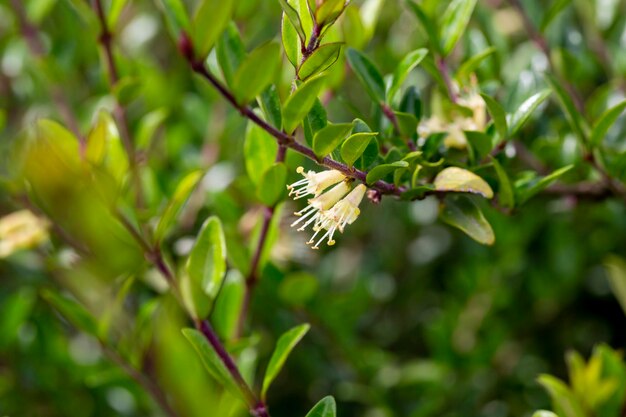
(300, 102)
(368, 74)
(461, 212)
(354, 146)
(206, 264)
(326, 407)
(381, 171)
(320, 60)
(328, 138)
(457, 179)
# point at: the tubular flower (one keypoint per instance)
(314, 182)
(336, 218)
(319, 204)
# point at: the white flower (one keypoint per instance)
(336, 218)
(319, 204)
(314, 182)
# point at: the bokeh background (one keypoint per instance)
(409, 316)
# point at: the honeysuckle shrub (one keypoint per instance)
(458, 169)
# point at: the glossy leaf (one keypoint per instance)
(230, 52)
(259, 149)
(457, 179)
(209, 21)
(286, 343)
(329, 11)
(380, 171)
(327, 139)
(294, 18)
(553, 12)
(270, 104)
(604, 123)
(498, 115)
(256, 72)
(212, 362)
(519, 118)
(291, 41)
(407, 123)
(206, 264)
(326, 407)
(354, 146)
(321, 59)
(410, 61)
(272, 184)
(225, 315)
(461, 212)
(526, 191)
(175, 15)
(454, 21)
(300, 102)
(368, 74)
(572, 115)
(471, 65)
(182, 193)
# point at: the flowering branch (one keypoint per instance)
(284, 139)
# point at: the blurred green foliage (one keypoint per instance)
(408, 316)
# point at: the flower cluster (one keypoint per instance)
(457, 125)
(328, 211)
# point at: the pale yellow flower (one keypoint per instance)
(21, 230)
(314, 182)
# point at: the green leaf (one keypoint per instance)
(175, 205)
(418, 192)
(175, 15)
(270, 105)
(461, 212)
(72, 311)
(291, 41)
(555, 9)
(616, 270)
(116, 8)
(300, 102)
(471, 65)
(320, 60)
(572, 115)
(284, 346)
(604, 123)
(327, 139)
(407, 123)
(427, 24)
(527, 190)
(354, 146)
(314, 121)
(230, 52)
(212, 362)
(326, 407)
(209, 21)
(225, 315)
(256, 72)
(566, 404)
(272, 184)
(457, 179)
(411, 102)
(410, 61)
(519, 118)
(480, 142)
(259, 150)
(380, 171)
(329, 11)
(498, 115)
(454, 21)
(368, 74)
(206, 264)
(294, 18)
(14, 311)
(506, 197)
